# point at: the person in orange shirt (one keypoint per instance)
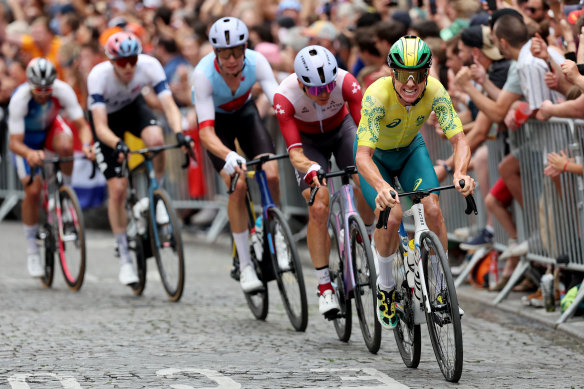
(41, 42)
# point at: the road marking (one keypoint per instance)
(222, 381)
(18, 381)
(371, 374)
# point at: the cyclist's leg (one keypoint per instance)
(60, 140)
(317, 236)
(256, 142)
(30, 214)
(344, 156)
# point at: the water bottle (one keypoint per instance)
(139, 210)
(257, 238)
(547, 291)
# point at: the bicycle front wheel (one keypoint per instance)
(407, 333)
(71, 239)
(444, 318)
(168, 249)
(47, 252)
(344, 321)
(290, 280)
(365, 283)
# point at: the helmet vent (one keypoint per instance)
(423, 58)
(320, 71)
(306, 79)
(312, 52)
(227, 37)
(335, 70)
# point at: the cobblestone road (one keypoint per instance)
(104, 337)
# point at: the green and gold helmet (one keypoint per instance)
(409, 52)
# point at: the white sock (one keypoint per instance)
(67, 180)
(385, 278)
(323, 275)
(242, 245)
(123, 251)
(30, 233)
(490, 228)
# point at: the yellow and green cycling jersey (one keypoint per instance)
(386, 124)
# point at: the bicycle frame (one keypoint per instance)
(344, 197)
(152, 186)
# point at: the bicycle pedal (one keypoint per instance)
(333, 315)
(235, 273)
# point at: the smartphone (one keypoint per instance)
(492, 5)
(433, 7)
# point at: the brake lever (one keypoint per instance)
(384, 215)
(471, 205)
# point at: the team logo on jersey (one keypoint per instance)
(394, 123)
(417, 184)
(279, 110)
(305, 110)
(420, 120)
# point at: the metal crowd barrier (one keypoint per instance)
(11, 190)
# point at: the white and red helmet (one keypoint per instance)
(315, 66)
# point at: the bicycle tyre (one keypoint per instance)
(71, 243)
(344, 322)
(258, 301)
(444, 316)
(407, 334)
(136, 245)
(169, 254)
(365, 292)
(290, 282)
(47, 252)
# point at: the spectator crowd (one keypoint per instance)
(500, 67)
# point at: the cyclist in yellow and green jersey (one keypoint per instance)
(389, 143)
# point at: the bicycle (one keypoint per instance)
(352, 269)
(424, 284)
(268, 256)
(66, 238)
(149, 237)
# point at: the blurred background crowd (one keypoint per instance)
(471, 61)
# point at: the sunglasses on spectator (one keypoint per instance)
(404, 76)
(123, 62)
(237, 52)
(533, 9)
(317, 90)
(42, 91)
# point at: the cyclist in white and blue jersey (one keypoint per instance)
(116, 106)
(37, 129)
(222, 83)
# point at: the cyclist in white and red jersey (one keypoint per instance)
(116, 105)
(36, 129)
(222, 84)
(311, 107)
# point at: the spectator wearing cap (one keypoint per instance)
(324, 33)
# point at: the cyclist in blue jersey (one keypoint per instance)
(222, 83)
(36, 130)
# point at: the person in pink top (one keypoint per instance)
(318, 108)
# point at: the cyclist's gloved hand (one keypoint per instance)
(311, 173)
(231, 162)
(183, 140)
(122, 148)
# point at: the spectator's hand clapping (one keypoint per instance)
(539, 47)
(463, 77)
(570, 70)
(478, 73)
(556, 163)
(544, 110)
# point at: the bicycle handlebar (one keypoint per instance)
(259, 161)
(346, 172)
(150, 152)
(57, 161)
(420, 194)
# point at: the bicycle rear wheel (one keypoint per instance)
(407, 334)
(257, 301)
(344, 321)
(365, 292)
(290, 281)
(444, 318)
(71, 239)
(47, 252)
(168, 250)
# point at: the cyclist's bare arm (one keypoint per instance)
(369, 171)
(461, 160)
(17, 146)
(171, 112)
(301, 161)
(85, 136)
(102, 130)
(211, 142)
